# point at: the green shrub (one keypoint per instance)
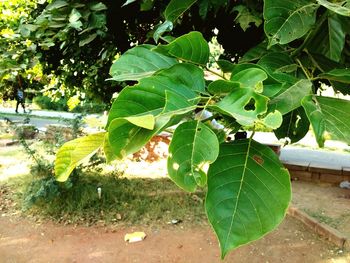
(47, 103)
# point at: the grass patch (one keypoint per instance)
(321, 217)
(123, 201)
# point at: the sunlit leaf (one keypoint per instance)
(339, 7)
(75, 152)
(328, 117)
(273, 120)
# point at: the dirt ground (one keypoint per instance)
(25, 241)
(326, 203)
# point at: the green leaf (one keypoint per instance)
(225, 65)
(144, 121)
(191, 47)
(74, 16)
(75, 152)
(149, 95)
(291, 98)
(339, 7)
(193, 147)
(146, 5)
(339, 75)
(244, 104)
(87, 40)
(271, 90)
(222, 87)
(286, 21)
(56, 5)
(252, 77)
(98, 7)
(245, 17)
(176, 8)
(276, 64)
(126, 138)
(273, 120)
(248, 193)
(295, 126)
(329, 118)
(167, 26)
(330, 40)
(139, 62)
(128, 2)
(166, 95)
(108, 150)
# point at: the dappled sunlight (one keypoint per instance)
(8, 168)
(338, 259)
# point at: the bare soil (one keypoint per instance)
(24, 241)
(326, 203)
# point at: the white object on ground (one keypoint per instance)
(135, 237)
(345, 184)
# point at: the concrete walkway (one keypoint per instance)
(305, 152)
(41, 113)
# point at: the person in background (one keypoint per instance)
(20, 96)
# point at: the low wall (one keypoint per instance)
(313, 173)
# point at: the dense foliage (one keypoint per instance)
(278, 54)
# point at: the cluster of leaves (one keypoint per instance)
(274, 84)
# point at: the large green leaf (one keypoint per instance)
(279, 66)
(143, 110)
(295, 126)
(339, 7)
(191, 47)
(176, 8)
(193, 147)
(331, 39)
(291, 98)
(286, 21)
(244, 104)
(75, 152)
(339, 75)
(329, 118)
(139, 62)
(248, 193)
(149, 95)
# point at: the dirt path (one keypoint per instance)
(25, 241)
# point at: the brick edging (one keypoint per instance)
(331, 234)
